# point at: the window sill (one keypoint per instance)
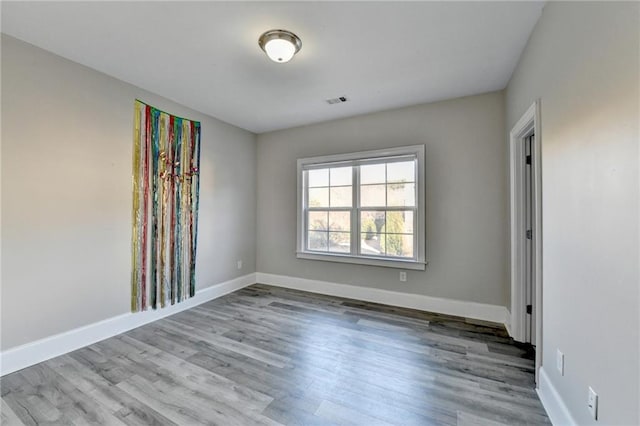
(386, 263)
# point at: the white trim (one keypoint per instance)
(361, 260)
(481, 311)
(528, 123)
(518, 298)
(537, 224)
(41, 350)
(507, 323)
(367, 155)
(355, 159)
(552, 402)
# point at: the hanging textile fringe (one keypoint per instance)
(166, 184)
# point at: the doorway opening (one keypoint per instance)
(526, 231)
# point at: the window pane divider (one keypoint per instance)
(355, 219)
(385, 209)
(331, 209)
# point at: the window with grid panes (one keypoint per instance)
(365, 208)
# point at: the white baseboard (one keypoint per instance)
(551, 400)
(41, 350)
(481, 311)
(507, 323)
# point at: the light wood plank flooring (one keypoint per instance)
(265, 355)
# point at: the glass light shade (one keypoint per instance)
(280, 50)
(280, 45)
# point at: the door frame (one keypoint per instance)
(528, 123)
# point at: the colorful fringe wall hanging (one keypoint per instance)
(166, 160)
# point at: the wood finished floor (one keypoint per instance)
(265, 355)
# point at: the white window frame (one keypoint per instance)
(357, 158)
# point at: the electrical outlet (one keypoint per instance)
(239, 264)
(403, 276)
(592, 403)
(560, 362)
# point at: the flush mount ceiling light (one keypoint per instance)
(280, 45)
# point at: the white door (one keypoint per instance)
(529, 191)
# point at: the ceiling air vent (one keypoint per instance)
(339, 100)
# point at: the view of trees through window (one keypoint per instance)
(330, 199)
(385, 201)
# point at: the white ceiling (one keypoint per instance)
(205, 55)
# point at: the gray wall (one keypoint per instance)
(582, 62)
(66, 194)
(465, 185)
